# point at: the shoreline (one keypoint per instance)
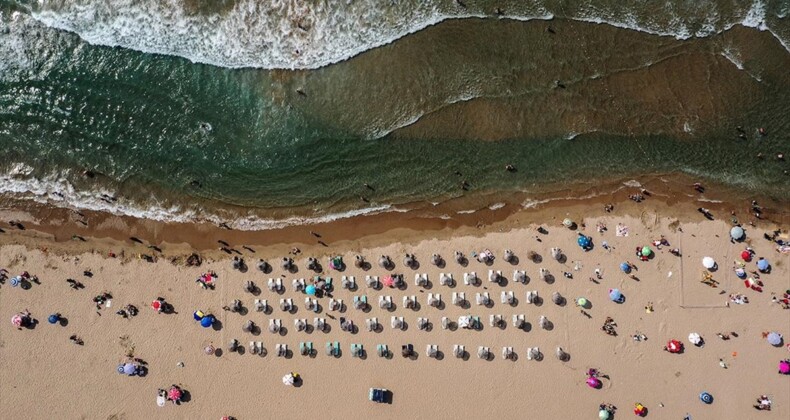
(62, 231)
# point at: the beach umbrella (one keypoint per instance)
(625, 267)
(198, 315)
(674, 346)
(706, 398)
(568, 223)
(604, 414)
(17, 320)
(593, 382)
(736, 233)
(54, 318)
(289, 379)
(581, 301)
(15, 281)
(310, 290)
(740, 272)
(708, 262)
(207, 321)
(388, 281)
(746, 255)
(646, 251)
(615, 295)
(464, 321)
(157, 305)
(583, 241)
(784, 367)
(209, 350)
(695, 339)
(774, 339)
(762, 264)
(174, 394)
(129, 369)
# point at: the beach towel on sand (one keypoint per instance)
(622, 230)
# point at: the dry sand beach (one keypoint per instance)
(44, 373)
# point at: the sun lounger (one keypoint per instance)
(543, 322)
(495, 320)
(372, 324)
(519, 320)
(319, 324)
(356, 350)
(372, 281)
(494, 276)
(507, 352)
(470, 279)
(298, 285)
(333, 348)
(275, 325)
(483, 352)
(306, 348)
(335, 304)
(476, 324)
(382, 350)
(410, 302)
(300, 324)
(311, 304)
(458, 350)
(508, 298)
(482, 299)
(385, 302)
(348, 282)
(520, 276)
(397, 322)
(422, 323)
(445, 323)
(459, 298)
(421, 280)
(544, 274)
(432, 350)
(161, 400)
(253, 348)
(534, 353)
(282, 350)
(360, 302)
(532, 296)
(286, 304)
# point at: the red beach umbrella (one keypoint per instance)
(388, 281)
(746, 255)
(174, 394)
(157, 305)
(674, 346)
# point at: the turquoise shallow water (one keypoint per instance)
(171, 139)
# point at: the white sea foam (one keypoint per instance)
(496, 206)
(55, 190)
(632, 183)
(291, 35)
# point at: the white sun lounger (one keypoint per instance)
(275, 325)
(508, 297)
(260, 305)
(495, 320)
(410, 301)
(445, 323)
(282, 350)
(298, 285)
(459, 350)
(520, 276)
(434, 300)
(161, 400)
(470, 279)
(483, 352)
(360, 302)
(319, 323)
(300, 324)
(459, 298)
(532, 296)
(482, 299)
(397, 323)
(335, 304)
(311, 304)
(348, 282)
(446, 279)
(422, 323)
(286, 304)
(420, 280)
(507, 352)
(372, 323)
(372, 281)
(519, 320)
(385, 302)
(432, 350)
(494, 276)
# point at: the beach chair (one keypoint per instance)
(397, 323)
(476, 324)
(300, 324)
(372, 324)
(348, 283)
(508, 297)
(532, 296)
(260, 305)
(459, 350)
(410, 302)
(544, 274)
(494, 276)
(445, 323)
(275, 325)
(407, 350)
(382, 350)
(328, 284)
(298, 285)
(507, 353)
(272, 285)
(311, 304)
(421, 280)
(534, 353)
(319, 324)
(459, 298)
(520, 276)
(335, 304)
(356, 350)
(372, 281)
(385, 302)
(470, 279)
(482, 299)
(495, 320)
(333, 348)
(519, 321)
(282, 350)
(253, 348)
(434, 300)
(360, 302)
(422, 323)
(483, 352)
(432, 350)
(286, 304)
(543, 322)
(446, 279)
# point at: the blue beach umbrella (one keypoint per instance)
(207, 321)
(706, 398)
(53, 319)
(310, 290)
(625, 267)
(15, 281)
(762, 264)
(583, 241)
(129, 369)
(615, 295)
(736, 233)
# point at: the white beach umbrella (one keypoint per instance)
(708, 262)
(288, 380)
(695, 339)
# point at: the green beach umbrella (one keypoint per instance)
(581, 301)
(603, 415)
(646, 251)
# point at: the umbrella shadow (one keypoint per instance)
(185, 396)
(63, 321)
(217, 325)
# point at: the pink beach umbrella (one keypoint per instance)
(593, 382)
(17, 320)
(388, 281)
(157, 305)
(174, 394)
(784, 367)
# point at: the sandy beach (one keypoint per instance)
(44, 372)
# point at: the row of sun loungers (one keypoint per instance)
(332, 349)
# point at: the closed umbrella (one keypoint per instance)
(625, 267)
(708, 262)
(736, 233)
(207, 321)
(762, 264)
(774, 339)
(615, 295)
